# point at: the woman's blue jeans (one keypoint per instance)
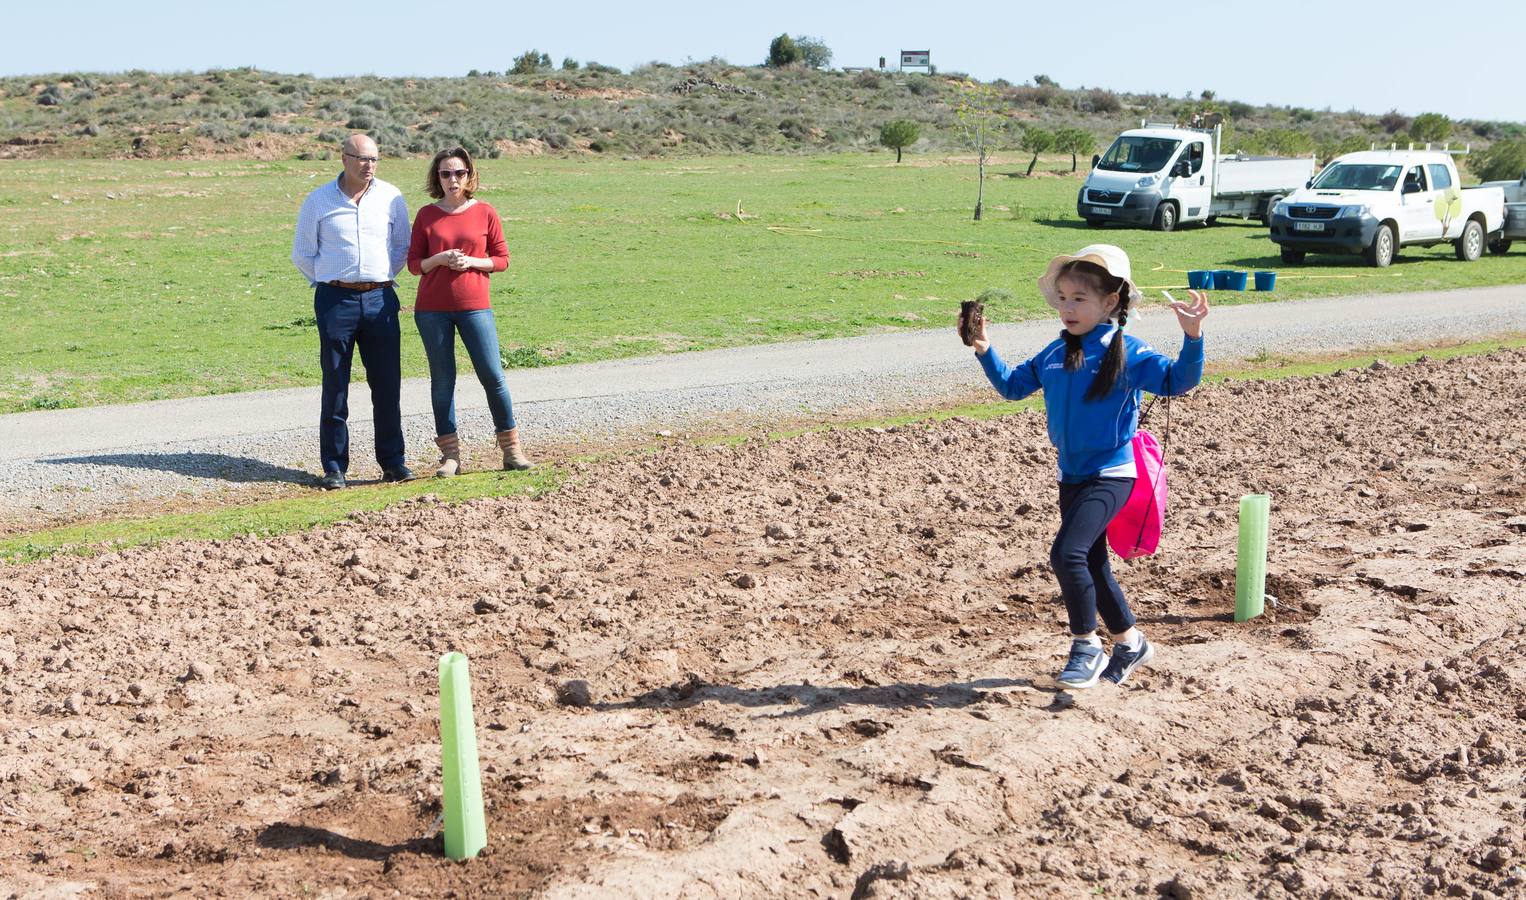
(479, 332)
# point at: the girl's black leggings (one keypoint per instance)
(1079, 554)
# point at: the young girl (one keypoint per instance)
(1092, 377)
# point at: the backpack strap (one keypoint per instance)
(1165, 440)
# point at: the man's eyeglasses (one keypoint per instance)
(362, 159)
(453, 174)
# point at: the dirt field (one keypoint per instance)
(818, 667)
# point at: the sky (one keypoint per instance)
(1408, 55)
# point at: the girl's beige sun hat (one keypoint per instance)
(1110, 258)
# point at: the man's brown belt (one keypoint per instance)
(360, 285)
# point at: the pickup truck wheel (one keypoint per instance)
(1293, 257)
(1499, 246)
(1095, 223)
(1165, 217)
(1471, 245)
(1381, 252)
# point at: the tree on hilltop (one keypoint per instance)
(814, 52)
(783, 51)
(897, 134)
(530, 62)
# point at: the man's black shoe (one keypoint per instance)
(331, 481)
(397, 473)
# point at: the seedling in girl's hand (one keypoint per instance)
(1182, 308)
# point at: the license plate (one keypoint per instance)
(1101, 211)
(1308, 226)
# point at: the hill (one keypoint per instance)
(655, 110)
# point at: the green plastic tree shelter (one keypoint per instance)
(465, 825)
(1250, 560)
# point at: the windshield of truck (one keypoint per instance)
(1138, 154)
(1352, 177)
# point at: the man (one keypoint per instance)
(351, 241)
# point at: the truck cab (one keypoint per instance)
(1142, 170)
(1374, 202)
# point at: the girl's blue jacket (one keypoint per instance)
(1095, 435)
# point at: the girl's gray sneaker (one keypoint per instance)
(1084, 667)
(1125, 661)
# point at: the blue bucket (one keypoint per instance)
(1236, 281)
(1266, 281)
(1221, 279)
(1199, 279)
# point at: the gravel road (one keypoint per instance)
(73, 462)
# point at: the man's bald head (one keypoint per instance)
(359, 145)
(360, 159)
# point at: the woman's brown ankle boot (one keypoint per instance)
(514, 458)
(450, 455)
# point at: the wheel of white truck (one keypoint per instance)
(1381, 252)
(1266, 214)
(1499, 246)
(1471, 245)
(1165, 216)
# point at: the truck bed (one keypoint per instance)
(1241, 175)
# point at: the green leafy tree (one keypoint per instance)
(897, 134)
(814, 52)
(530, 62)
(1503, 161)
(1433, 127)
(1043, 81)
(1075, 141)
(1036, 141)
(783, 51)
(569, 64)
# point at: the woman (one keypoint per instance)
(457, 241)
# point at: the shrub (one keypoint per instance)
(569, 64)
(920, 86)
(216, 131)
(1503, 161)
(1104, 101)
(782, 51)
(1394, 121)
(1430, 127)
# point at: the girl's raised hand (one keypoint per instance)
(1190, 315)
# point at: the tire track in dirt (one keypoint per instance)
(819, 665)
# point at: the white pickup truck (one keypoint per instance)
(1162, 175)
(1376, 201)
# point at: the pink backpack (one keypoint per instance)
(1135, 530)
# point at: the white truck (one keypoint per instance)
(1376, 201)
(1163, 175)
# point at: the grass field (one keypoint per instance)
(125, 281)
